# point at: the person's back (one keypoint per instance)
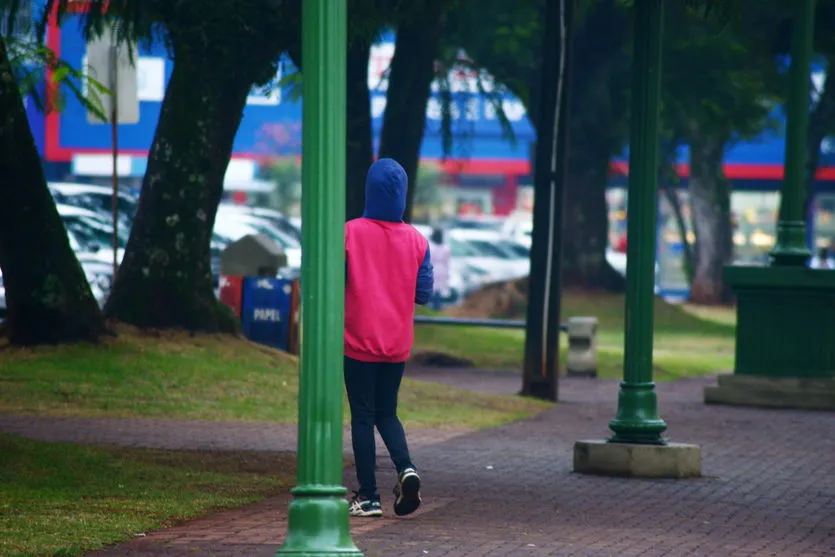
(387, 271)
(384, 256)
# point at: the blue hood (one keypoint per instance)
(385, 191)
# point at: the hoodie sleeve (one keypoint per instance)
(425, 281)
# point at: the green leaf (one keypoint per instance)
(60, 74)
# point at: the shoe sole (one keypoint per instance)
(408, 500)
(368, 514)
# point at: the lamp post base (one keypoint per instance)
(637, 420)
(605, 458)
(318, 524)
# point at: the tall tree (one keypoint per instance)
(719, 87)
(504, 38)
(410, 77)
(48, 297)
(219, 50)
(358, 142)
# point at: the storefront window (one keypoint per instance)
(755, 230)
(754, 219)
(824, 221)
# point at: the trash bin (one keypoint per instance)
(267, 311)
(248, 285)
(230, 292)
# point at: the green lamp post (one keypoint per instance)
(637, 419)
(318, 517)
(790, 249)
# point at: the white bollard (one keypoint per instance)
(582, 347)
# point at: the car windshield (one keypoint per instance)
(465, 224)
(518, 250)
(491, 250)
(98, 202)
(268, 229)
(284, 226)
(92, 231)
(459, 248)
(232, 227)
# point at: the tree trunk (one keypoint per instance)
(410, 77)
(587, 224)
(710, 201)
(820, 126)
(670, 182)
(48, 297)
(600, 74)
(165, 279)
(359, 150)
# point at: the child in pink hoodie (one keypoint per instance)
(388, 271)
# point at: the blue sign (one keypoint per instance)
(36, 115)
(265, 311)
(271, 123)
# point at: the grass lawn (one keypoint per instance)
(688, 340)
(62, 500)
(211, 377)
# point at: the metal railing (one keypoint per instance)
(471, 322)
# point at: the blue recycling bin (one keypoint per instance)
(266, 311)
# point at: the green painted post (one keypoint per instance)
(790, 248)
(637, 419)
(318, 518)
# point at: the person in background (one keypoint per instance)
(820, 259)
(387, 272)
(440, 262)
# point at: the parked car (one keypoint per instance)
(276, 218)
(91, 234)
(98, 199)
(100, 277)
(489, 251)
(519, 230)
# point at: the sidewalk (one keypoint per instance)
(769, 485)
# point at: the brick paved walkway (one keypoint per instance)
(769, 487)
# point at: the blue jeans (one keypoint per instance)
(372, 395)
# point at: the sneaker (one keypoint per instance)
(407, 492)
(363, 506)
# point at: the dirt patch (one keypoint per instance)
(440, 359)
(501, 300)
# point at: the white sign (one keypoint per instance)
(103, 58)
(150, 78)
(265, 314)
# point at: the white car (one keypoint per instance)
(519, 230)
(276, 218)
(100, 277)
(502, 259)
(91, 234)
(98, 199)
